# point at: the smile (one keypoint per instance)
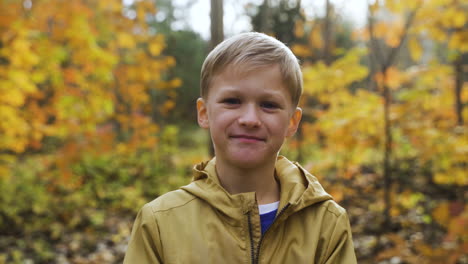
(247, 138)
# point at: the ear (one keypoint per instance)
(202, 114)
(294, 122)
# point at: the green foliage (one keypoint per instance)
(21, 195)
(189, 51)
(38, 207)
(276, 18)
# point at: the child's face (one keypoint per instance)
(248, 116)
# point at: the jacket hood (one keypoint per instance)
(298, 188)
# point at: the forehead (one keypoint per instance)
(266, 81)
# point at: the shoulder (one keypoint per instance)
(169, 201)
(334, 208)
(328, 212)
(328, 216)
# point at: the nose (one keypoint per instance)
(249, 116)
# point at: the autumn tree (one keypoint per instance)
(384, 59)
(411, 115)
(83, 85)
(318, 42)
(70, 68)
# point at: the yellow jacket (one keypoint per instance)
(203, 223)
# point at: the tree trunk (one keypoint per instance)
(385, 62)
(217, 27)
(459, 80)
(388, 141)
(327, 34)
(217, 36)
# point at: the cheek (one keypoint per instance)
(279, 126)
(220, 119)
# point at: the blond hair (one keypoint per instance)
(251, 51)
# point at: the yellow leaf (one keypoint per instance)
(360, 34)
(170, 61)
(437, 33)
(459, 41)
(440, 2)
(409, 199)
(459, 18)
(395, 6)
(442, 214)
(392, 78)
(155, 48)
(393, 40)
(460, 177)
(8, 115)
(167, 106)
(395, 212)
(316, 38)
(299, 29)
(301, 50)
(22, 81)
(458, 226)
(176, 82)
(114, 6)
(337, 194)
(12, 97)
(415, 49)
(125, 40)
(380, 29)
(414, 4)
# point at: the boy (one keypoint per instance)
(246, 205)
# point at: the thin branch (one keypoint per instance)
(394, 51)
(376, 49)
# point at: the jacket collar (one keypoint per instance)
(298, 188)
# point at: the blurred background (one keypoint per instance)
(97, 117)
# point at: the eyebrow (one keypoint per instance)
(268, 93)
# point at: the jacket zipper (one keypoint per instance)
(252, 255)
(255, 260)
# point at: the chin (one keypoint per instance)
(248, 162)
(247, 157)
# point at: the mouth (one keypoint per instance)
(248, 138)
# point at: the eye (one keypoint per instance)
(231, 101)
(270, 105)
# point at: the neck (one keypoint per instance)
(260, 180)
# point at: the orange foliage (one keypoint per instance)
(344, 138)
(69, 68)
